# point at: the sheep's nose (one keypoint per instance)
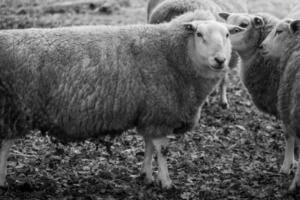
(261, 46)
(220, 60)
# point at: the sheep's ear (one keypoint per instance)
(258, 22)
(295, 26)
(190, 27)
(224, 15)
(234, 29)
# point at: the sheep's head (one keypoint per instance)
(210, 44)
(280, 37)
(256, 28)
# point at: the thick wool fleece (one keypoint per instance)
(289, 90)
(82, 82)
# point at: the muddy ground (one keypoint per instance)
(235, 154)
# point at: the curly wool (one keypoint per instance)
(82, 82)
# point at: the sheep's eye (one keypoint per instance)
(243, 25)
(278, 32)
(227, 35)
(199, 34)
(236, 30)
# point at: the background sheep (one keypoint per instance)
(284, 43)
(276, 46)
(169, 9)
(151, 5)
(259, 71)
(87, 82)
(279, 9)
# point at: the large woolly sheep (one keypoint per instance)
(262, 74)
(87, 82)
(167, 10)
(284, 43)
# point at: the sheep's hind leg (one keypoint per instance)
(160, 145)
(296, 180)
(147, 165)
(289, 161)
(4, 152)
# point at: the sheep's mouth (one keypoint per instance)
(217, 68)
(264, 52)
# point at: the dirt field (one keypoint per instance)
(236, 153)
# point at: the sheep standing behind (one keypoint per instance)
(272, 84)
(87, 82)
(255, 69)
(265, 99)
(151, 5)
(284, 43)
(167, 10)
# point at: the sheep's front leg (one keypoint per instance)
(160, 145)
(147, 165)
(4, 152)
(223, 92)
(289, 160)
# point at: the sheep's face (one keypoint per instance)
(210, 44)
(280, 37)
(249, 38)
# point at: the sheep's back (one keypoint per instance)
(77, 79)
(169, 9)
(239, 6)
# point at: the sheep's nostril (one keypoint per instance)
(261, 47)
(220, 61)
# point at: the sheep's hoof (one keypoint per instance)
(287, 169)
(196, 127)
(147, 180)
(166, 185)
(224, 105)
(3, 187)
(3, 184)
(293, 187)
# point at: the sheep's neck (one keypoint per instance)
(248, 55)
(261, 77)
